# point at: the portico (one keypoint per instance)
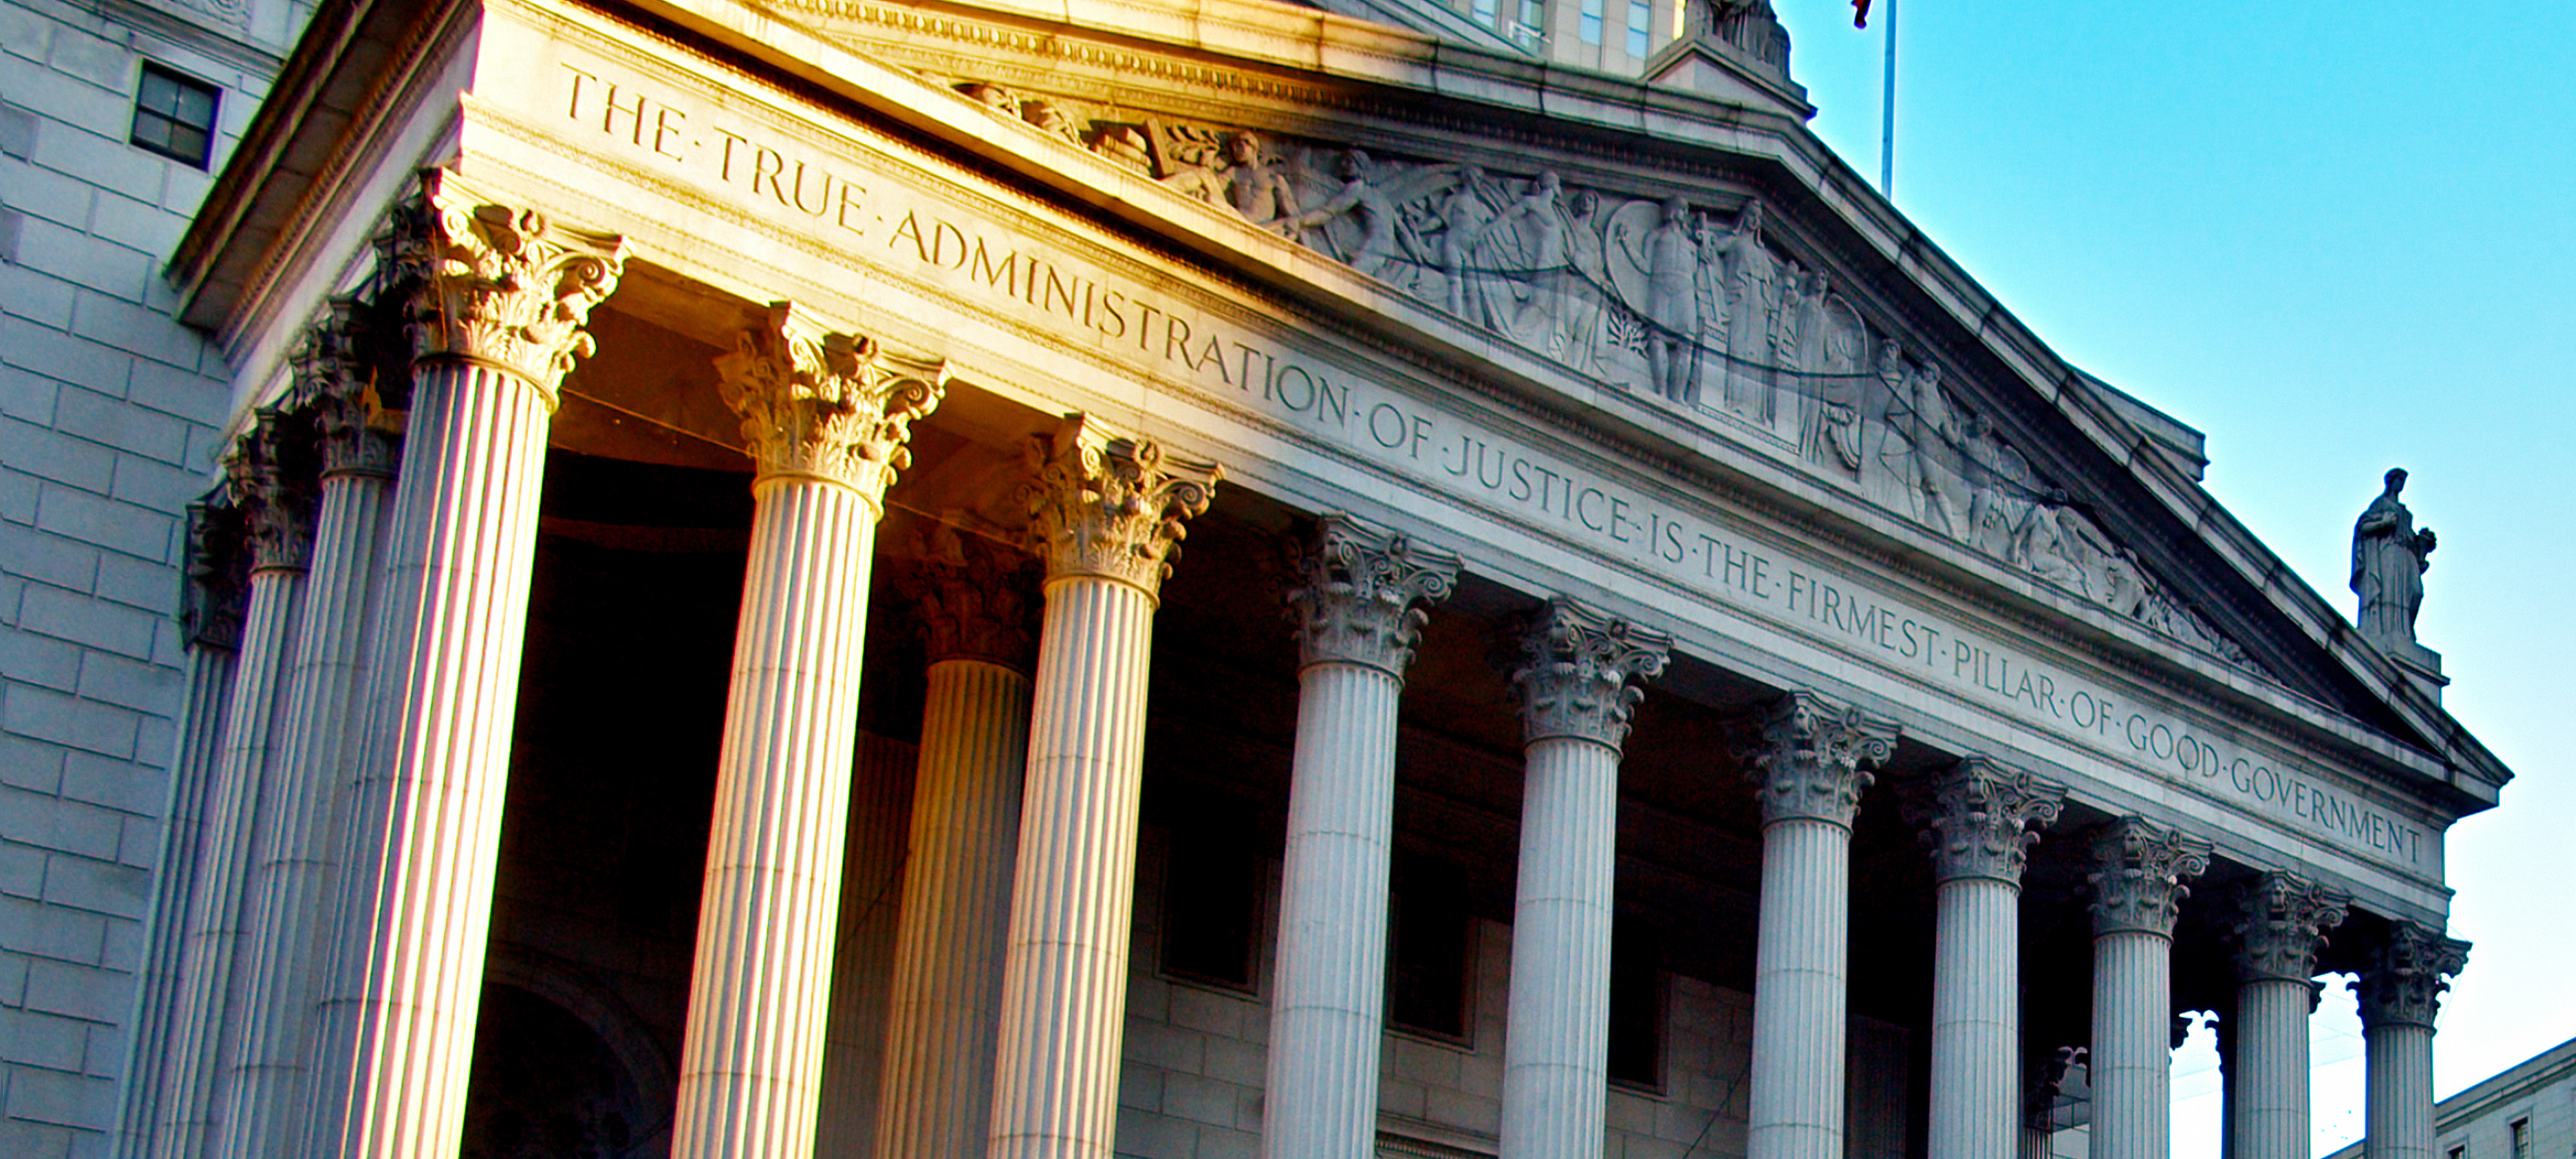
(1196, 683)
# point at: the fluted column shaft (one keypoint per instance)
(1808, 772)
(2132, 1061)
(2137, 887)
(2264, 1044)
(1577, 680)
(300, 830)
(212, 968)
(498, 314)
(826, 417)
(397, 1023)
(1357, 623)
(1557, 1042)
(1975, 817)
(2400, 992)
(941, 1025)
(1103, 514)
(1328, 1001)
(214, 614)
(753, 1053)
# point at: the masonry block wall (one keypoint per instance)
(109, 420)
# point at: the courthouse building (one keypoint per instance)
(689, 649)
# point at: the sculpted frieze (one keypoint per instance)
(1698, 307)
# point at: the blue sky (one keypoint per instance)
(2336, 238)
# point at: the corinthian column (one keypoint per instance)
(1577, 681)
(975, 614)
(1357, 600)
(2138, 871)
(268, 474)
(2281, 921)
(2401, 992)
(211, 610)
(1809, 772)
(1977, 818)
(497, 321)
(1105, 513)
(826, 417)
(298, 838)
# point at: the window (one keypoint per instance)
(1210, 907)
(1591, 26)
(1533, 18)
(2522, 1139)
(2458, 1151)
(1636, 1003)
(1484, 11)
(1428, 959)
(174, 116)
(1641, 15)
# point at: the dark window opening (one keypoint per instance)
(1636, 1003)
(1210, 907)
(1428, 960)
(174, 116)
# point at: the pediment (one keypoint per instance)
(1688, 301)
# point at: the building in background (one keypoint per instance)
(2526, 1111)
(686, 648)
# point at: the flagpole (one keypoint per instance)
(1887, 119)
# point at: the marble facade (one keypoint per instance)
(707, 530)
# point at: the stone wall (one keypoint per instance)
(109, 412)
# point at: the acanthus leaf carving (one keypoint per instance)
(2280, 925)
(507, 287)
(818, 404)
(1980, 817)
(2138, 873)
(218, 570)
(2406, 975)
(1111, 507)
(1577, 673)
(337, 382)
(1357, 591)
(270, 473)
(973, 599)
(1811, 758)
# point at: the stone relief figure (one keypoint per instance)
(1049, 119)
(2389, 558)
(1752, 286)
(1466, 215)
(1367, 242)
(1255, 185)
(1576, 338)
(1671, 309)
(1921, 436)
(2000, 486)
(1529, 237)
(991, 96)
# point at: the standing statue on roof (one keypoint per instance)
(2388, 560)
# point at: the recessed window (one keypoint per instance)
(1641, 16)
(1211, 907)
(1636, 1003)
(2522, 1139)
(1590, 28)
(2458, 1151)
(174, 116)
(1428, 959)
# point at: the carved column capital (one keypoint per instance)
(1357, 591)
(269, 474)
(1808, 759)
(2408, 971)
(2138, 873)
(506, 287)
(218, 568)
(1977, 818)
(1577, 673)
(827, 406)
(2280, 924)
(1109, 507)
(972, 597)
(358, 434)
